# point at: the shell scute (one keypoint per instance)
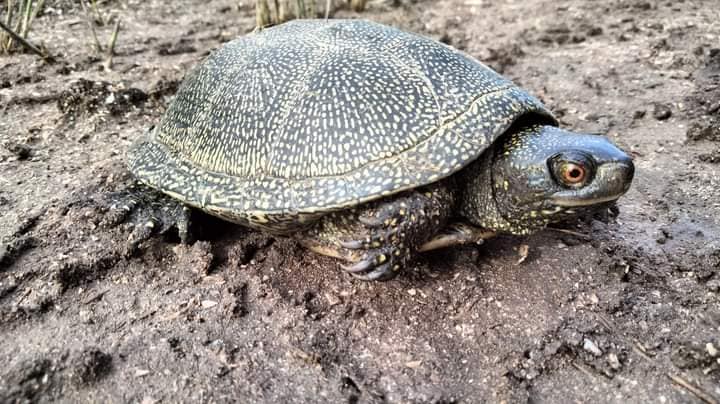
(313, 116)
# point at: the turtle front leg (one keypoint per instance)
(148, 212)
(381, 237)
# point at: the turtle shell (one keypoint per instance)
(311, 116)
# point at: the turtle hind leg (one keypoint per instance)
(458, 233)
(380, 238)
(149, 213)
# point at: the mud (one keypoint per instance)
(621, 307)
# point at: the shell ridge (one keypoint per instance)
(441, 127)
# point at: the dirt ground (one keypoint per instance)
(625, 309)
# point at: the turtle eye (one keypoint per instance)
(572, 171)
(572, 174)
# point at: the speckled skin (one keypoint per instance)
(514, 189)
(365, 141)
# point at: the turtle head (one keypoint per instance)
(541, 174)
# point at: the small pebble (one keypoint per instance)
(613, 361)
(206, 304)
(523, 251)
(590, 346)
(711, 350)
(639, 114)
(20, 150)
(413, 364)
(661, 112)
(332, 299)
(595, 31)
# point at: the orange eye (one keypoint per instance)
(573, 174)
(572, 169)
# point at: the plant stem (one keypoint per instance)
(262, 13)
(26, 19)
(358, 5)
(283, 12)
(111, 46)
(34, 49)
(300, 9)
(4, 38)
(38, 7)
(91, 27)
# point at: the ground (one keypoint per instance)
(620, 307)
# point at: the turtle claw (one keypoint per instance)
(381, 263)
(379, 239)
(148, 212)
(389, 238)
(142, 233)
(352, 244)
(361, 266)
(382, 273)
(375, 267)
(118, 214)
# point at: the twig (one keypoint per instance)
(572, 233)
(23, 296)
(34, 49)
(328, 4)
(111, 46)
(693, 389)
(95, 296)
(639, 348)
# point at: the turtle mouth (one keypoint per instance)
(611, 182)
(574, 203)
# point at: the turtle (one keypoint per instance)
(365, 143)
